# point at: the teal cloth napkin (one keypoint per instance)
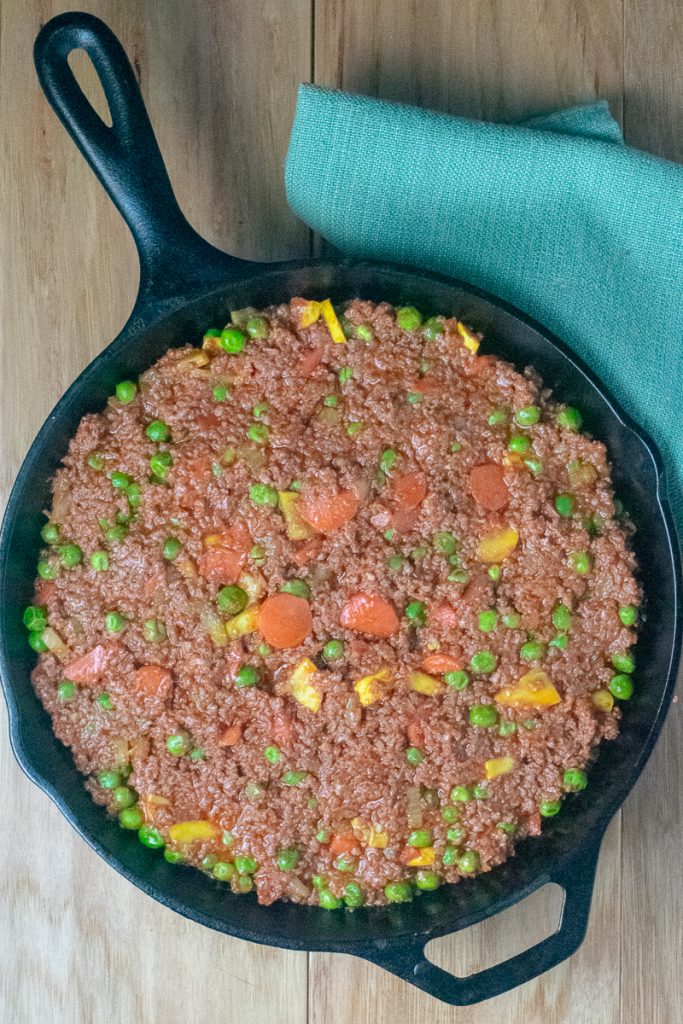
(556, 215)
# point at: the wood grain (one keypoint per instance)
(77, 943)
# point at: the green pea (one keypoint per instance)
(126, 391)
(495, 572)
(323, 836)
(580, 562)
(414, 756)
(387, 460)
(449, 815)
(247, 675)
(46, 571)
(158, 431)
(108, 779)
(562, 618)
(468, 863)
(549, 808)
(114, 622)
(131, 818)
(178, 744)
(223, 870)
(123, 796)
(457, 680)
(445, 542)
(197, 754)
(531, 651)
(50, 533)
(263, 494)
(95, 461)
(628, 614)
(154, 631)
(120, 480)
(331, 401)
(70, 555)
(151, 837)
(244, 884)
(529, 724)
(134, 494)
(569, 418)
(396, 562)
(427, 880)
(565, 504)
(458, 576)
(345, 375)
(36, 642)
(257, 328)
(535, 466)
(496, 417)
(480, 793)
(171, 548)
(287, 859)
(35, 617)
(99, 560)
(416, 612)
(483, 662)
(420, 838)
(160, 463)
(219, 393)
(232, 340)
(297, 587)
(621, 687)
(575, 779)
(432, 329)
(561, 642)
(449, 856)
(365, 333)
(623, 662)
(354, 428)
(519, 443)
(272, 754)
(258, 554)
(353, 895)
(507, 728)
(408, 318)
(105, 701)
(488, 621)
(209, 862)
(483, 716)
(333, 650)
(414, 398)
(66, 691)
(507, 826)
(418, 553)
(231, 600)
(455, 447)
(527, 416)
(345, 863)
(328, 901)
(292, 778)
(115, 534)
(173, 856)
(460, 794)
(398, 892)
(227, 838)
(245, 865)
(512, 620)
(258, 433)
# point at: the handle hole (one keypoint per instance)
(496, 940)
(91, 86)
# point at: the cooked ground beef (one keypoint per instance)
(334, 620)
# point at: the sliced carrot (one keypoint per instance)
(408, 490)
(443, 615)
(89, 667)
(225, 554)
(306, 552)
(440, 662)
(230, 736)
(327, 511)
(415, 734)
(285, 620)
(369, 613)
(310, 360)
(344, 843)
(488, 487)
(154, 681)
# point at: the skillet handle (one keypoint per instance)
(126, 157)
(409, 962)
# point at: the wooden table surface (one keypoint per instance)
(78, 943)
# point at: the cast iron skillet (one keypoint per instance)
(187, 285)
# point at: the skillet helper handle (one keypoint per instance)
(126, 157)
(410, 963)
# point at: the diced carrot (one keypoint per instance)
(304, 553)
(327, 511)
(369, 613)
(488, 487)
(230, 736)
(426, 386)
(310, 360)
(285, 620)
(45, 591)
(406, 854)
(154, 681)
(89, 667)
(344, 843)
(440, 662)
(225, 554)
(415, 734)
(408, 490)
(443, 615)
(478, 365)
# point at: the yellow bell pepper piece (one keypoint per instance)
(369, 835)
(496, 766)
(333, 325)
(469, 340)
(296, 528)
(423, 683)
(193, 831)
(373, 688)
(245, 622)
(301, 687)
(309, 314)
(602, 700)
(494, 547)
(512, 460)
(532, 690)
(424, 858)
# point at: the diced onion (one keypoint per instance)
(414, 807)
